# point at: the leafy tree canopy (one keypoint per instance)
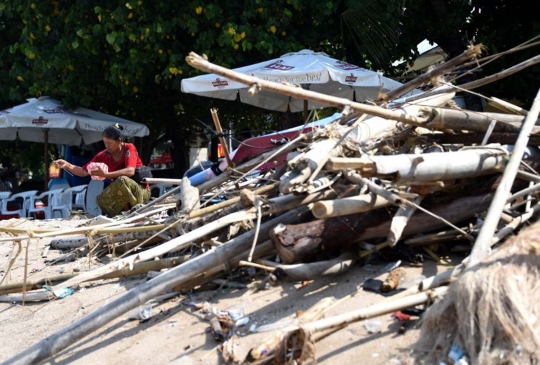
(128, 57)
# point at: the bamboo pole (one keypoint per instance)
(251, 165)
(73, 333)
(214, 207)
(471, 52)
(506, 106)
(400, 220)
(483, 242)
(488, 59)
(374, 310)
(486, 80)
(138, 269)
(444, 119)
(346, 206)
(436, 166)
(88, 229)
(161, 180)
(215, 118)
(185, 240)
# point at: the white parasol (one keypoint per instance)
(315, 71)
(45, 120)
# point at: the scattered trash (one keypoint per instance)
(406, 282)
(372, 325)
(145, 311)
(242, 322)
(400, 316)
(236, 312)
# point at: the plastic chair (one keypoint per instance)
(54, 198)
(59, 183)
(94, 188)
(65, 204)
(80, 199)
(4, 195)
(25, 196)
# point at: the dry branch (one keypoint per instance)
(471, 52)
(483, 242)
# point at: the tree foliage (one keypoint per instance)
(393, 28)
(128, 57)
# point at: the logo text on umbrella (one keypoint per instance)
(40, 120)
(279, 65)
(351, 78)
(220, 83)
(346, 66)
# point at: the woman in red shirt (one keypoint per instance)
(121, 159)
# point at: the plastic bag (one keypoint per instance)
(94, 166)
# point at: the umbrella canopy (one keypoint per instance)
(72, 127)
(45, 120)
(315, 71)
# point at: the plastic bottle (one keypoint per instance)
(145, 311)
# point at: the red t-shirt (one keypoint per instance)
(129, 158)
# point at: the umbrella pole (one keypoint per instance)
(46, 157)
(306, 115)
(223, 143)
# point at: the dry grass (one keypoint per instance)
(491, 311)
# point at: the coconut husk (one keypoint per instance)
(491, 312)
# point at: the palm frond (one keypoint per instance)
(367, 23)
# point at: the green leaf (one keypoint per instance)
(75, 44)
(111, 37)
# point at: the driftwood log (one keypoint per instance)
(452, 119)
(314, 270)
(301, 243)
(436, 166)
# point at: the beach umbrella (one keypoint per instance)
(46, 120)
(315, 71)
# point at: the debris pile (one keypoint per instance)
(401, 174)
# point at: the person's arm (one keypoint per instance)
(74, 169)
(127, 171)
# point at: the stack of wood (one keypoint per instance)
(412, 172)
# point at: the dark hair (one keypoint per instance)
(113, 132)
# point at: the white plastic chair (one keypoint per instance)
(65, 204)
(80, 199)
(4, 195)
(59, 183)
(94, 188)
(54, 198)
(25, 196)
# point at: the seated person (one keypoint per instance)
(121, 159)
